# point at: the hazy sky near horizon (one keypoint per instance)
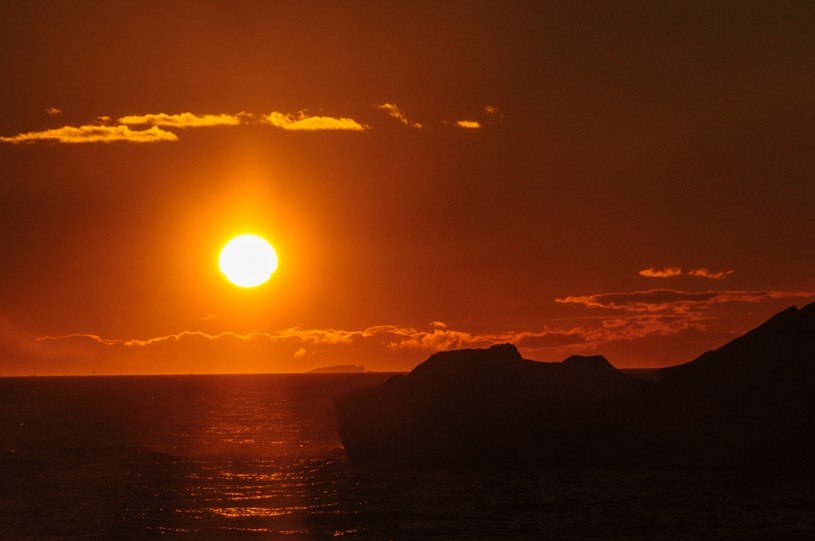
(632, 179)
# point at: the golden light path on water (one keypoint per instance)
(265, 492)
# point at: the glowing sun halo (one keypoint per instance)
(247, 261)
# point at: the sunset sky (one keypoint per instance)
(633, 179)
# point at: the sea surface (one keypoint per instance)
(258, 457)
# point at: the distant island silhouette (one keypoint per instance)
(338, 369)
(750, 403)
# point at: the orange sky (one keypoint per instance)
(632, 179)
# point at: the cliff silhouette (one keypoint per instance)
(749, 403)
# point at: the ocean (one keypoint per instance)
(257, 457)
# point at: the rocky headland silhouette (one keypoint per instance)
(750, 403)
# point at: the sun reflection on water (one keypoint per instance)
(261, 489)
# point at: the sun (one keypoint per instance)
(247, 260)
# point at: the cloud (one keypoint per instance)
(107, 130)
(705, 273)
(79, 336)
(306, 336)
(93, 134)
(135, 342)
(300, 349)
(667, 272)
(637, 323)
(651, 327)
(395, 112)
(305, 122)
(392, 337)
(656, 327)
(673, 300)
(184, 120)
(436, 339)
(468, 124)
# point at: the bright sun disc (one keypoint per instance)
(247, 260)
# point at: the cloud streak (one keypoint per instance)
(107, 130)
(674, 300)
(705, 273)
(398, 337)
(304, 122)
(667, 272)
(390, 337)
(383, 342)
(670, 272)
(177, 337)
(657, 325)
(184, 120)
(468, 124)
(93, 134)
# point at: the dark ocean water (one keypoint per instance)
(257, 457)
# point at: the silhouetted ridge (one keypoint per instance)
(749, 403)
(783, 346)
(752, 400)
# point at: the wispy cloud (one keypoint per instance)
(184, 120)
(645, 327)
(468, 124)
(391, 337)
(665, 326)
(79, 336)
(398, 345)
(107, 129)
(177, 337)
(305, 122)
(705, 273)
(667, 272)
(395, 112)
(674, 300)
(670, 272)
(93, 134)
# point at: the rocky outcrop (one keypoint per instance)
(748, 403)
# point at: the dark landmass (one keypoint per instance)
(750, 403)
(338, 369)
(650, 374)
